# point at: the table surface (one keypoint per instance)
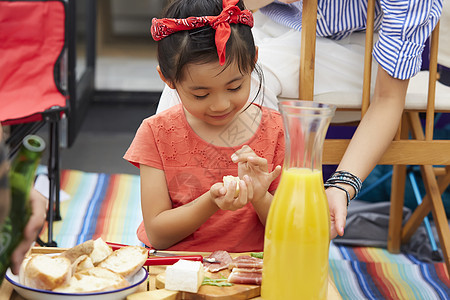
(7, 292)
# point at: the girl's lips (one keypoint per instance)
(221, 117)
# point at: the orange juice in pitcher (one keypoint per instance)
(297, 230)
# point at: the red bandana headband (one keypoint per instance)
(231, 14)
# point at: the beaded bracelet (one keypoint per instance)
(345, 178)
(327, 185)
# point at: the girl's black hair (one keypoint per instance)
(197, 46)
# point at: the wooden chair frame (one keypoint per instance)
(420, 150)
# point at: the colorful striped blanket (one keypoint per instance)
(108, 206)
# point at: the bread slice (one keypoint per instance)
(22, 268)
(73, 253)
(82, 263)
(93, 280)
(47, 272)
(101, 251)
(97, 250)
(126, 261)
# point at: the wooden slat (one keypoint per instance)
(429, 122)
(308, 49)
(397, 199)
(438, 210)
(368, 56)
(402, 152)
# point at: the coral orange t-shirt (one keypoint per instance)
(192, 165)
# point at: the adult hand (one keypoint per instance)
(39, 206)
(337, 202)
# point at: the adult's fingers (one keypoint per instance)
(39, 205)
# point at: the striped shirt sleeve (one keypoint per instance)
(405, 28)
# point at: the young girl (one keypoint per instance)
(207, 53)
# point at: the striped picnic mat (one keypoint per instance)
(108, 206)
(100, 205)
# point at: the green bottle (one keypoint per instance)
(21, 179)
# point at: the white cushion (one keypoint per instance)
(416, 97)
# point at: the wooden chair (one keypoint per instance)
(421, 149)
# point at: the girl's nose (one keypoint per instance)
(221, 103)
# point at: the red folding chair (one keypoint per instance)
(33, 76)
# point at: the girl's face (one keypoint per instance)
(212, 93)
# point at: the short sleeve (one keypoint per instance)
(144, 149)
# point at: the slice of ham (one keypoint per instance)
(245, 276)
(248, 262)
(224, 259)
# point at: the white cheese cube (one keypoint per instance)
(185, 276)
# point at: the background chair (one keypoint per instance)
(413, 144)
(33, 79)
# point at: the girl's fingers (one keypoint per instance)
(242, 154)
(248, 182)
(256, 160)
(218, 190)
(275, 173)
(241, 200)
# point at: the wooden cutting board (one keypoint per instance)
(208, 292)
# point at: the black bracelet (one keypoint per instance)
(327, 185)
(346, 178)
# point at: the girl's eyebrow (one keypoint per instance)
(195, 88)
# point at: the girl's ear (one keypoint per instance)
(166, 81)
(256, 54)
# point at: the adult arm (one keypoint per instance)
(371, 139)
(398, 53)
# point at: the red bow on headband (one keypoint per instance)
(231, 14)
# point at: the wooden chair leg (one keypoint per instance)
(424, 208)
(438, 210)
(396, 209)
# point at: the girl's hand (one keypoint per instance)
(337, 202)
(224, 198)
(255, 172)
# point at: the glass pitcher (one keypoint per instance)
(297, 230)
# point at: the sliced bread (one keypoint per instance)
(82, 263)
(97, 250)
(126, 261)
(47, 272)
(93, 280)
(22, 268)
(73, 253)
(101, 251)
